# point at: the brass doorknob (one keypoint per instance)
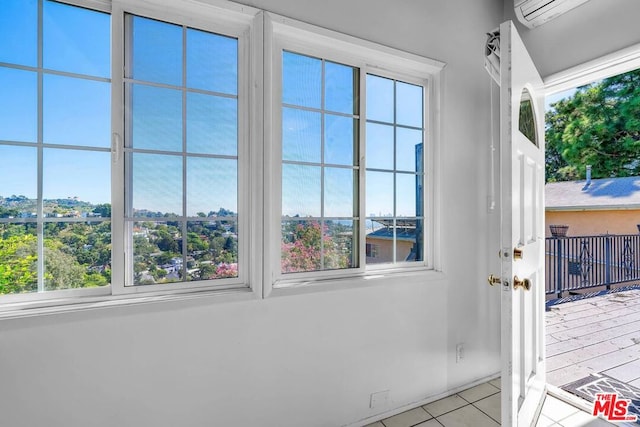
(494, 280)
(524, 283)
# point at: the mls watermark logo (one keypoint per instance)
(612, 408)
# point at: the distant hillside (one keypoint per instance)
(21, 206)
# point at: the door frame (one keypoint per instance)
(618, 62)
(612, 64)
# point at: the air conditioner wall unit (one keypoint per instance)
(533, 13)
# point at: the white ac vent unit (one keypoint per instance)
(533, 13)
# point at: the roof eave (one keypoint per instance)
(593, 208)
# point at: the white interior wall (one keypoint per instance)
(305, 360)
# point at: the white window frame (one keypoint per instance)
(217, 16)
(290, 35)
(262, 36)
(71, 294)
(206, 18)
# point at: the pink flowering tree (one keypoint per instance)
(226, 270)
(302, 247)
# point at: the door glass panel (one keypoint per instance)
(527, 118)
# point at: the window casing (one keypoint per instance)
(320, 165)
(408, 217)
(123, 107)
(252, 173)
(55, 219)
(395, 139)
(182, 155)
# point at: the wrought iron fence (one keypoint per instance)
(581, 262)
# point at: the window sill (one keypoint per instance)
(375, 278)
(69, 305)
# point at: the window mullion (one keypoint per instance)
(322, 171)
(362, 171)
(184, 154)
(39, 203)
(395, 173)
(121, 270)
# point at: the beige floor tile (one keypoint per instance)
(478, 392)
(408, 418)
(378, 424)
(467, 416)
(544, 421)
(490, 406)
(430, 423)
(445, 405)
(557, 410)
(496, 383)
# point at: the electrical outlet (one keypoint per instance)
(379, 399)
(459, 352)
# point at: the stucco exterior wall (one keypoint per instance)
(593, 223)
(385, 250)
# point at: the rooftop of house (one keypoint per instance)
(386, 233)
(598, 194)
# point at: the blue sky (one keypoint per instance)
(327, 136)
(77, 112)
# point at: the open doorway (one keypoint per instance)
(592, 214)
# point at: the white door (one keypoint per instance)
(522, 231)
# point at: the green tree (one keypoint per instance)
(104, 210)
(93, 280)
(599, 126)
(195, 243)
(8, 212)
(18, 268)
(166, 242)
(62, 270)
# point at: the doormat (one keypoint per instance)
(588, 387)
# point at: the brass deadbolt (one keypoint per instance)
(517, 253)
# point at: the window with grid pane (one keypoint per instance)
(394, 170)
(321, 225)
(55, 185)
(181, 144)
(320, 171)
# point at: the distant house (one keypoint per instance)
(594, 206)
(379, 243)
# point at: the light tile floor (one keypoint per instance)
(479, 406)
